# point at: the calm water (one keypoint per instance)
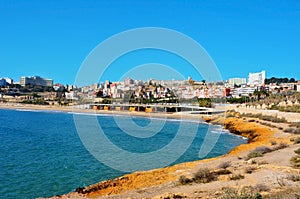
(42, 154)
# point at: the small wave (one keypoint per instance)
(222, 131)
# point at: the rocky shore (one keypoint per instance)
(266, 167)
(262, 169)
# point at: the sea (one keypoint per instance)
(46, 153)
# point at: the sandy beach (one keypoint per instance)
(271, 171)
(70, 109)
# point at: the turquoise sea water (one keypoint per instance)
(42, 154)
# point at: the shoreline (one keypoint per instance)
(130, 184)
(165, 179)
(66, 109)
(122, 184)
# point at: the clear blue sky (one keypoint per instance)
(52, 38)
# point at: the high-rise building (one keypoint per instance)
(5, 81)
(35, 81)
(257, 79)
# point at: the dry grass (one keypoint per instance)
(258, 152)
(288, 130)
(295, 161)
(261, 187)
(297, 131)
(250, 169)
(295, 124)
(224, 165)
(297, 140)
(263, 162)
(280, 146)
(236, 177)
(184, 180)
(290, 193)
(293, 177)
(265, 117)
(204, 175)
(247, 192)
(222, 172)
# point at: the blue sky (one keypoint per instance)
(52, 38)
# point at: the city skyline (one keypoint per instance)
(245, 79)
(52, 39)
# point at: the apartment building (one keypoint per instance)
(35, 81)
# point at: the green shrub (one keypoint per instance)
(295, 161)
(236, 177)
(280, 146)
(204, 175)
(297, 140)
(272, 119)
(184, 180)
(224, 165)
(297, 151)
(263, 149)
(296, 131)
(222, 172)
(263, 123)
(261, 187)
(295, 124)
(288, 130)
(294, 108)
(258, 152)
(253, 154)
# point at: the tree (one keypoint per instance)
(279, 80)
(292, 80)
(205, 102)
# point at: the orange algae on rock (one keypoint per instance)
(136, 181)
(256, 134)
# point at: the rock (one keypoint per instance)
(251, 161)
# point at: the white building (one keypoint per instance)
(9, 80)
(71, 96)
(5, 81)
(36, 81)
(237, 81)
(257, 79)
(242, 92)
(298, 86)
